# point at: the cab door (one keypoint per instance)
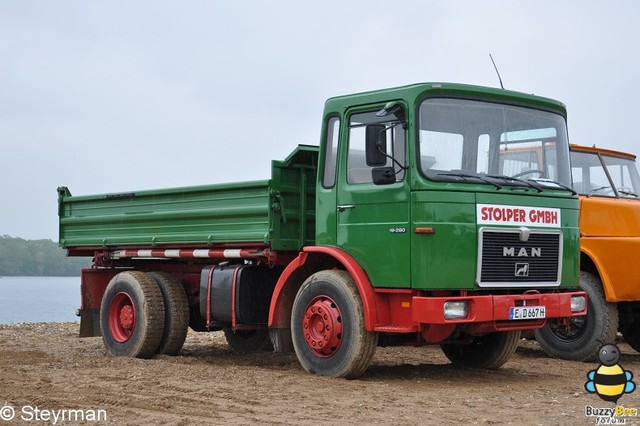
(373, 218)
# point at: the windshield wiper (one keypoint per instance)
(466, 176)
(571, 190)
(622, 191)
(600, 188)
(513, 179)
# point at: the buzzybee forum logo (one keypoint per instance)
(609, 381)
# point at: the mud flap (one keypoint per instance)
(89, 322)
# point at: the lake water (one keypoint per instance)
(39, 299)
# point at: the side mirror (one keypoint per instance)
(376, 145)
(383, 175)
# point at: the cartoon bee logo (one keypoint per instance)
(609, 381)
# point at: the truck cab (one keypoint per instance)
(418, 184)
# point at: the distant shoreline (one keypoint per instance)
(4, 325)
(40, 258)
(40, 276)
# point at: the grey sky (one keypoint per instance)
(109, 96)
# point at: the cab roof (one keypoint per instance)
(595, 150)
(415, 92)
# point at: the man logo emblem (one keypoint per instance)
(522, 270)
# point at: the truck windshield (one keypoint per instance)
(460, 139)
(604, 175)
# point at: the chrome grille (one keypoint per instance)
(519, 258)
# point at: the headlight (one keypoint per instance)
(456, 309)
(578, 303)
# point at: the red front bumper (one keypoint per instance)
(493, 311)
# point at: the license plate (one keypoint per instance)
(527, 312)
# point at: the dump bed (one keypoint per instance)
(279, 213)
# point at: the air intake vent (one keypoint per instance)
(519, 258)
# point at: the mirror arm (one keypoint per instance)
(379, 145)
(396, 162)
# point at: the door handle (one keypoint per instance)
(346, 207)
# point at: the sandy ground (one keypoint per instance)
(46, 366)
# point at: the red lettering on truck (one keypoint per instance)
(503, 214)
(544, 217)
(516, 215)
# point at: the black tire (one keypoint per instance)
(631, 335)
(132, 315)
(176, 313)
(631, 329)
(247, 340)
(490, 351)
(580, 339)
(281, 340)
(328, 326)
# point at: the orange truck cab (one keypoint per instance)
(609, 186)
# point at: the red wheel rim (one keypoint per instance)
(322, 326)
(122, 317)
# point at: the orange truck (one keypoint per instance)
(609, 186)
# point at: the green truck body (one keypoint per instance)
(416, 220)
(279, 212)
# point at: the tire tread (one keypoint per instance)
(176, 307)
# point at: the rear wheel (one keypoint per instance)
(631, 329)
(328, 326)
(579, 338)
(281, 340)
(132, 315)
(247, 340)
(489, 351)
(632, 336)
(176, 313)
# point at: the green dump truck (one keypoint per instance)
(413, 222)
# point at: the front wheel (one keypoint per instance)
(489, 351)
(579, 338)
(132, 315)
(328, 326)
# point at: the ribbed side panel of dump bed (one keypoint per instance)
(201, 215)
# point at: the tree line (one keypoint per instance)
(19, 257)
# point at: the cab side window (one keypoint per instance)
(331, 155)
(391, 130)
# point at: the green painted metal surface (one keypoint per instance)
(277, 212)
(447, 259)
